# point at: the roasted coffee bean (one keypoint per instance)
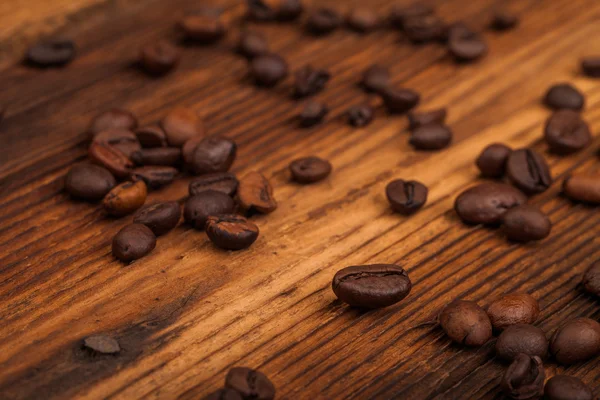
(362, 20)
(526, 223)
(521, 338)
(151, 136)
(375, 78)
(113, 119)
(101, 344)
(51, 53)
(154, 176)
(89, 182)
(189, 148)
(271, 10)
(323, 21)
(159, 58)
(123, 140)
(224, 394)
(250, 383)
(466, 323)
(167, 156)
(398, 101)
(492, 160)
(198, 208)
(529, 171)
(591, 67)
(310, 169)
(563, 387)
(466, 45)
(486, 203)
(223, 182)
(159, 217)
(252, 44)
(566, 132)
(418, 119)
(502, 20)
(564, 95)
(576, 341)
(203, 28)
(424, 28)
(125, 198)
(524, 378)
(591, 279)
(312, 114)
(310, 81)
(406, 197)
(583, 187)
(182, 124)
(268, 69)
(255, 193)
(132, 242)
(213, 154)
(361, 115)
(231, 232)
(111, 158)
(371, 286)
(399, 15)
(513, 309)
(431, 137)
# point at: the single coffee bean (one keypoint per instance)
(203, 28)
(513, 309)
(166, 156)
(360, 115)
(182, 124)
(566, 132)
(268, 69)
(252, 44)
(274, 10)
(492, 160)
(159, 58)
(591, 279)
(466, 323)
(418, 119)
(362, 20)
(591, 67)
(213, 154)
(250, 383)
(312, 114)
(223, 182)
(431, 137)
(255, 193)
(564, 95)
(502, 20)
(577, 340)
(113, 119)
(406, 197)
(563, 387)
(583, 187)
(486, 203)
(89, 182)
(151, 136)
(371, 286)
(111, 158)
(526, 223)
(399, 15)
(189, 148)
(524, 378)
(125, 198)
(424, 28)
(198, 208)
(231, 232)
(154, 176)
(160, 217)
(399, 101)
(458, 29)
(466, 46)
(101, 344)
(310, 169)
(123, 140)
(375, 78)
(323, 21)
(521, 338)
(224, 394)
(132, 242)
(310, 81)
(51, 53)
(528, 170)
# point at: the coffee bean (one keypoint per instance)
(113, 119)
(160, 217)
(375, 78)
(583, 187)
(492, 160)
(466, 323)
(371, 286)
(166, 156)
(398, 101)
(566, 132)
(323, 21)
(310, 81)
(132, 242)
(360, 115)
(486, 203)
(189, 148)
(274, 10)
(151, 136)
(252, 44)
(424, 28)
(312, 114)
(123, 140)
(268, 69)
(406, 197)
(418, 119)
(564, 95)
(563, 387)
(362, 20)
(224, 394)
(513, 309)
(51, 53)
(208, 203)
(101, 344)
(399, 15)
(458, 29)
(159, 58)
(182, 124)
(526, 223)
(231, 232)
(223, 182)
(154, 176)
(591, 279)
(431, 137)
(466, 46)
(213, 154)
(309, 169)
(521, 338)
(111, 158)
(250, 383)
(89, 182)
(576, 340)
(125, 198)
(203, 28)
(591, 67)
(528, 170)
(524, 378)
(255, 193)
(502, 20)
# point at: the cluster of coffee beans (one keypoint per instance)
(243, 383)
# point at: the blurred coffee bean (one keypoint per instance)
(113, 119)
(151, 136)
(492, 160)
(203, 28)
(309, 81)
(375, 78)
(431, 137)
(111, 158)
(584, 187)
(159, 58)
(360, 115)
(182, 124)
(566, 132)
(252, 44)
(417, 119)
(51, 53)
(362, 20)
(323, 21)
(526, 223)
(165, 156)
(268, 69)
(213, 154)
(154, 176)
(312, 114)
(564, 95)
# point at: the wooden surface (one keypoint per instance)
(188, 312)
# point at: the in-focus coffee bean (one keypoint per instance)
(159, 58)
(431, 137)
(89, 182)
(252, 44)
(208, 203)
(132, 242)
(151, 136)
(466, 323)
(51, 53)
(575, 341)
(400, 14)
(529, 171)
(160, 217)
(312, 114)
(114, 118)
(591, 279)
(524, 378)
(323, 21)
(486, 203)
(231, 232)
(492, 160)
(502, 20)
(566, 132)
(591, 66)
(223, 182)
(406, 197)
(424, 28)
(526, 223)
(466, 45)
(203, 28)
(310, 80)
(521, 338)
(255, 193)
(418, 119)
(213, 154)
(513, 309)
(362, 20)
(584, 187)
(564, 95)
(110, 158)
(166, 156)
(375, 78)
(399, 100)
(360, 115)
(125, 198)
(180, 125)
(268, 69)
(274, 10)
(250, 383)
(309, 169)
(101, 344)
(224, 394)
(563, 387)
(154, 176)
(121, 139)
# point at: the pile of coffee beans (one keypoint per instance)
(242, 383)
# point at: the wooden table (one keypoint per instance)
(188, 312)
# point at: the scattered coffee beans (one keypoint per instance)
(250, 383)
(528, 170)
(271, 10)
(564, 95)
(223, 182)
(375, 78)
(224, 394)
(524, 378)
(208, 203)
(255, 193)
(101, 344)
(362, 20)
(576, 341)
(431, 137)
(123, 140)
(51, 53)
(213, 154)
(113, 119)
(486, 203)
(312, 114)
(180, 125)
(591, 67)
(398, 101)
(125, 198)
(252, 44)
(310, 81)
(268, 69)
(154, 176)
(203, 28)
(111, 158)
(466, 45)
(583, 187)
(418, 119)
(159, 58)
(406, 197)
(566, 132)
(231, 232)
(132, 242)
(166, 156)
(503, 21)
(160, 217)
(89, 182)
(466, 323)
(526, 223)
(361, 115)
(399, 15)
(591, 279)
(521, 338)
(513, 309)
(323, 21)
(492, 160)
(563, 387)
(424, 28)
(310, 169)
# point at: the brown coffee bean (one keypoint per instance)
(583, 187)
(160, 217)
(591, 67)
(274, 10)
(189, 148)
(310, 81)
(51, 53)
(576, 340)
(566, 132)
(132, 242)
(323, 21)
(502, 20)
(182, 124)
(564, 95)
(524, 378)
(113, 119)
(250, 383)
(418, 119)
(224, 394)
(375, 78)
(406, 197)
(208, 203)
(360, 115)
(231, 232)
(203, 28)
(399, 15)
(101, 344)
(492, 160)
(166, 156)
(268, 69)
(431, 137)
(111, 158)
(151, 136)
(526, 223)
(223, 182)
(154, 176)
(529, 171)
(252, 44)
(255, 193)
(591, 279)
(486, 203)
(424, 28)
(123, 140)
(466, 46)
(563, 387)
(362, 20)
(513, 309)
(309, 169)
(159, 58)
(89, 182)
(399, 101)
(312, 114)
(466, 323)
(125, 198)
(521, 338)
(213, 154)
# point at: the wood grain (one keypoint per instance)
(188, 312)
